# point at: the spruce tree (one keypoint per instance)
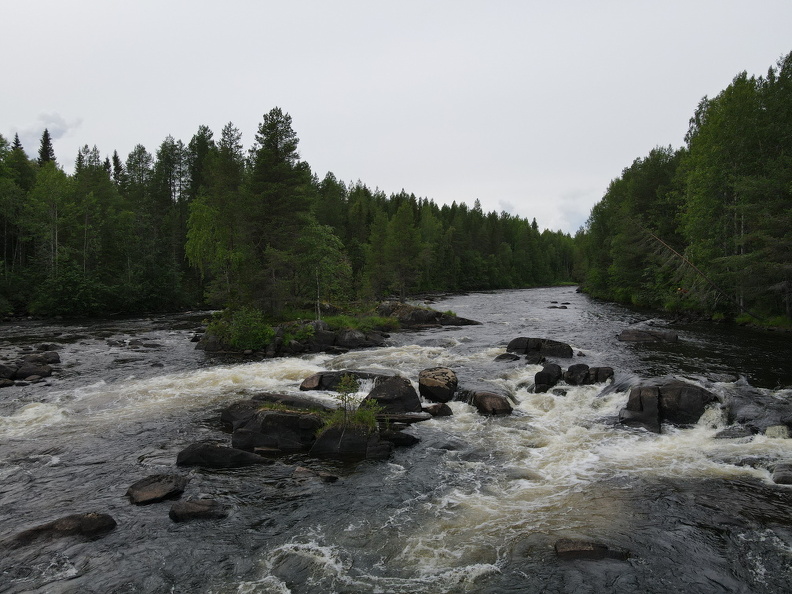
(46, 152)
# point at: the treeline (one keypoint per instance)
(210, 223)
(707, 226)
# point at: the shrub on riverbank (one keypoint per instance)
(242, 329)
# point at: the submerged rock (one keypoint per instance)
(508, 357)
(210, 455)
(156, 488)
(197, 509)
(88, 525)
(439, 409)
(584, 549)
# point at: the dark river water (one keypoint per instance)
(476, 506)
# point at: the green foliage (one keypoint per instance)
(245, 328)
(297, 331)
(209, 223)
(363, 324)
(362, 417)
(707, 226)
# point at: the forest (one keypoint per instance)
(210, 224)
(706, 227)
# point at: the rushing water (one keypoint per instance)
(476, 506)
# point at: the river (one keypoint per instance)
(476, 506)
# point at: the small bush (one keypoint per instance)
(364, 416)
(363, 324)
(243, 329)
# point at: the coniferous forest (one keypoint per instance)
(208, 223)
(706, 227)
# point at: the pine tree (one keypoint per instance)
(46, 152)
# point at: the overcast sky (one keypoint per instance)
(531, 107)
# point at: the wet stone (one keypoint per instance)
(197, 509)
(782, 473)
(156, 488)
(89, 525)
(584, 549)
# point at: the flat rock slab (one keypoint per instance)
(329, 380)
(584, 549)
(89, 525)
(197, 509)
(156, 488)
(214, 456)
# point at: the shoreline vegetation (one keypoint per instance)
(698, 230)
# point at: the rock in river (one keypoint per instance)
(197, 509)
(156, 488)
(210, 455)
(673, 402)
(396, 395)
(437, 384)
(90, 525)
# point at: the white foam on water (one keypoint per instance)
(32, 417)
(139, 399)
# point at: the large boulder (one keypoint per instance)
(239, 412)
(277, 431)
(329, 380)
(350, 444)
(487, 403)
(543, 346)
(550, 375)
(28, 369)
(758, 410)
(350, 339)
(437, 384)
(682, 403)
(156, 488)
(89, 525)
(209, 455)
(395, 395)
(600, 375)
(581, 374)
(577, 375)
(643, 409)
(674, 402)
